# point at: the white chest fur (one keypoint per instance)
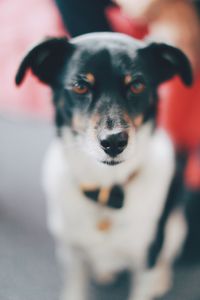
(73, 218)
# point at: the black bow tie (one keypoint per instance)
(113, 197)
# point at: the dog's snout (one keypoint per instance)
(114, 144)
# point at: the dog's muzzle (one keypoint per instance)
(114, 144)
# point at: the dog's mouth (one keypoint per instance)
(112, 162)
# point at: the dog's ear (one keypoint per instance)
(45, 60)
(164, 61)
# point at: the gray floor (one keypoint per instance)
(28, 269)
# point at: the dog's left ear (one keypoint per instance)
(46, 60)
(164, 61)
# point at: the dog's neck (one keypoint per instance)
(86, 170)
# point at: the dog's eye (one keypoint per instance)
(80, 88)
(137, 86)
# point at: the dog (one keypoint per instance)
(109, 175)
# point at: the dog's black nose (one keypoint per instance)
(114, 144)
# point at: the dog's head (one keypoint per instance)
(104, 87)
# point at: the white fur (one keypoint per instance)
(73, 218)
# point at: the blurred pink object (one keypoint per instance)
(24, 23)
(124, 24)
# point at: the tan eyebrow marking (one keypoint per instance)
(90, 77)
(127, 79)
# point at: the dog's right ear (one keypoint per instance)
(165, 61)
(45, 60)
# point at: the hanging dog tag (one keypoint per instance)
(104, 225)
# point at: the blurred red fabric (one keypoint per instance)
(180, 112)
(180, 115)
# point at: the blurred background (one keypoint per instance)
(28, 269)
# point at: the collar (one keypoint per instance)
(112, 197)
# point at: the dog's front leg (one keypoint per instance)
(76, 279)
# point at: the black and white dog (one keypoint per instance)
(108, 173)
